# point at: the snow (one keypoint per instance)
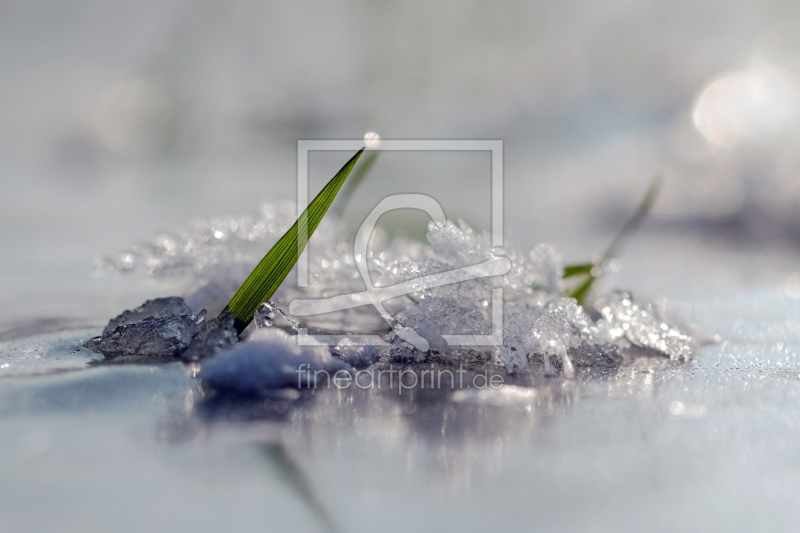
(540, 326)
(270, 359)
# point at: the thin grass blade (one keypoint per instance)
(635, 221)
(359, 174)
(268, 275)
(296, 479)
(577, 270)
(582, 290)
(586, 269)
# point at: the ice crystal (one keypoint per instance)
(644, 325)
(360, 354)
(541, 329)
(264, 316)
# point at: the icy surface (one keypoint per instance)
(43, 353)
(270, 359)
(662, 445)
(653, 441)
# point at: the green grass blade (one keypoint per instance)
(268, 275)
(635, 221)
(577, 270)
(296, 480)
(582, 291)
(355, 180)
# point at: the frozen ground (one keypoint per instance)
(654, 446)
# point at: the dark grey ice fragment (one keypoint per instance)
(218, 335)
(154, 337)
(157, 308)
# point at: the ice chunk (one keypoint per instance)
(541, 329)
(458, 245)
(163, 327)
(557, 335)
(265, 314)
(642, 324)
(270, 359)
(152, 337)
(218, 335)
(361, 354)
(157, 308)
(544, 270)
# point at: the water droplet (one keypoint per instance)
(265, 315)
(372, 139)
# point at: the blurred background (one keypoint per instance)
(122, 119)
